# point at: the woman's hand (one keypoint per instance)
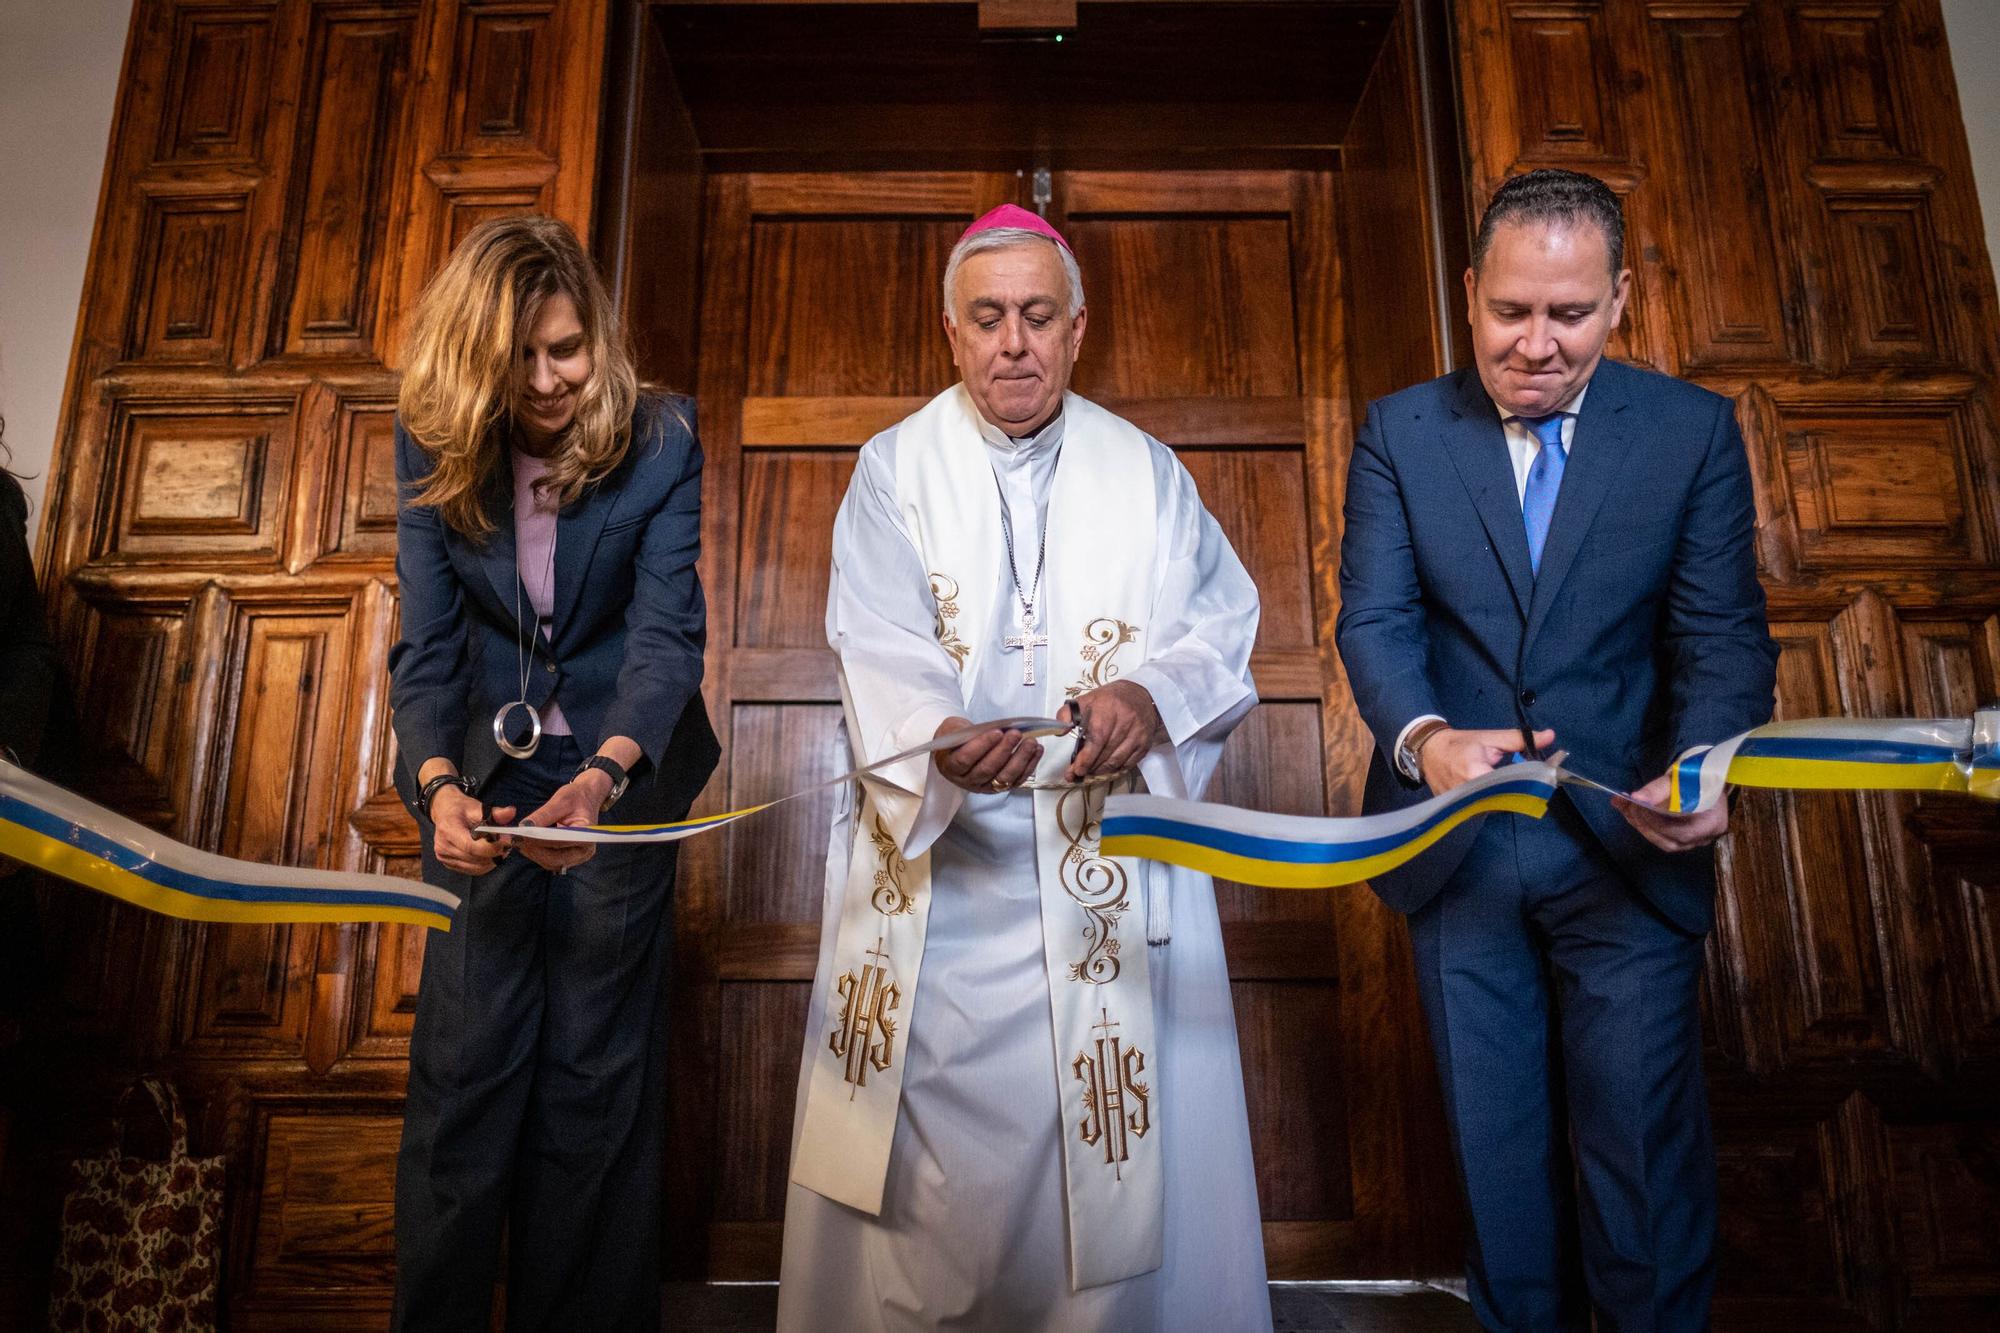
(455, 815)
(992, 761)
(577, 801)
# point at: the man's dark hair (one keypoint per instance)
(1565, 198)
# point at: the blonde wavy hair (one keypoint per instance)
(460, 378)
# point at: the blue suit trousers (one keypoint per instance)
(1563, 1010)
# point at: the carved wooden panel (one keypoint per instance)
(1851, 80)
(219, 68)
(189, 279)
(501, 102)
(199, 475)
(1734, 288)
(1562, 57)
(778, 863)
(815, 330)
(1259, 498)
(360, 518)
(357, 64)
(1881, 484)
(325, 1206)
(283, 768)
(1216, 340)
(1886, 257)
(785, 532)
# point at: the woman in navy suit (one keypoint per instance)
(549, 667)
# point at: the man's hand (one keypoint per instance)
(992, 761)
(1672, 833)
(1451, 758)
(577, 801)
(1120, 724)
(455, 815)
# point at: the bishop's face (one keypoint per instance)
(1012, 335)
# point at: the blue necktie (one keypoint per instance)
(1545, 478)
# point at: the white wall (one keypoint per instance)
(59, 66)
(1973, 29)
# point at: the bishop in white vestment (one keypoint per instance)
(1020, 1104)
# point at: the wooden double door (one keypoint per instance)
(1216, 323)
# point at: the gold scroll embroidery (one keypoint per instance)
(866, 1037)
(944, 591)
(890, 897)
(1098, 884)
(1117, 1107)
(1102, 638)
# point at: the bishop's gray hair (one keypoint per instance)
(1006, 238)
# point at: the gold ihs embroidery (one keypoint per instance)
(866, 1037)
(1117, 1107)
(944, 591)
(1102, 638)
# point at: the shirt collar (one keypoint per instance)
(1028, 446)
(1569, 409)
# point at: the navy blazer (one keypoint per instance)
(1642, 635)
(626, 639)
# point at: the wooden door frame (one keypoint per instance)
(1425, 94)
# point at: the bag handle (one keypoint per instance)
(168, 1102)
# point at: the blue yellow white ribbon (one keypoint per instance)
(1302, 852)
(59, 832)
(1298, 852)
(1847, 754)
(65, 835)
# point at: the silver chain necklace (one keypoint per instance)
(527, 630)
(1033, 594)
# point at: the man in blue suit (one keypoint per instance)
(1551, 547)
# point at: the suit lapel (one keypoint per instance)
(496, 555)
(1598, 455)
(577, 527)
(1477, 445)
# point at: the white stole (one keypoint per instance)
(1102, 525)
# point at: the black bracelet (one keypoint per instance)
(464, 784)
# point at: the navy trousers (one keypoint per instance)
(535, 1098)
(1564, 1015)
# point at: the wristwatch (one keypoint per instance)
(612, 769)
(1409, 755)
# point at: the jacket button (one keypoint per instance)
(1527, 698)
(550, 667)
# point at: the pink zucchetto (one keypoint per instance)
(1014, 216)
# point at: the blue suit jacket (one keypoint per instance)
(1642, 635)
(625, 647)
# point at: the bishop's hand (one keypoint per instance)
(1120, 724)
(995, 760)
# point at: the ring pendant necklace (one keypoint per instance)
(534, 741)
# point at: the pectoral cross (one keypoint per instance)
(1027, 641)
